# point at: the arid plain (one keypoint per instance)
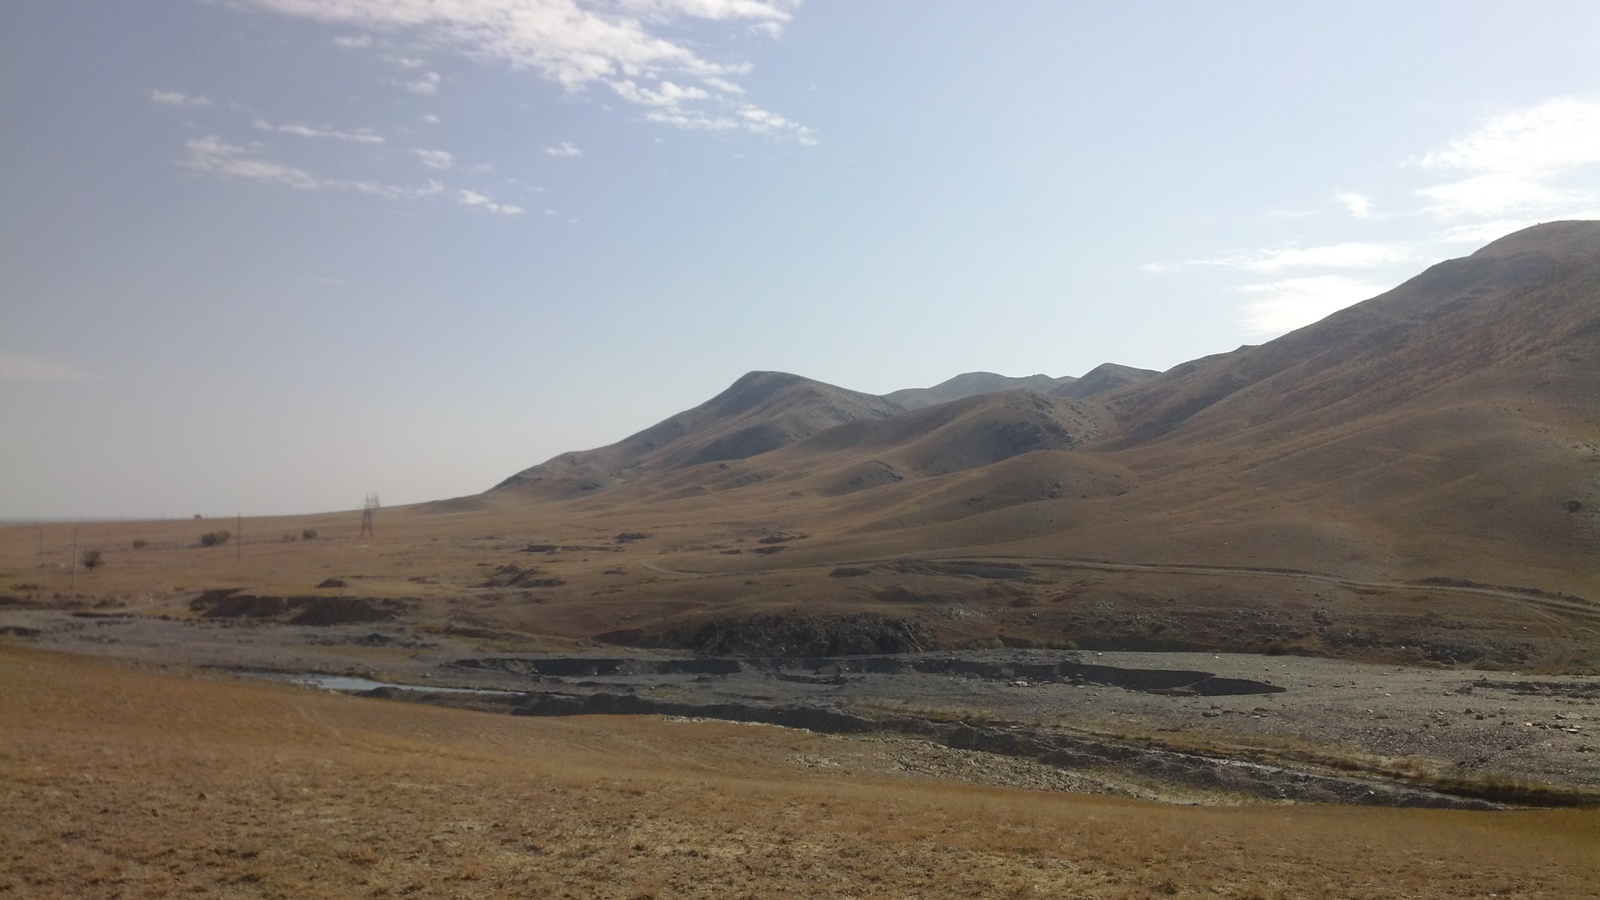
(1193, 633)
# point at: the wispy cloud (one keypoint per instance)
(436, 159)
(216, 157)
(475, 200)
(765, 16)
(1541, 160)
(22, 367)
(1279, 306)
(354, 42)
(177, 98)
(564, 149)
(1507, 172)
(578, 43)
(1350, 255)
(427, 84)
(212, 155)
(359, 136)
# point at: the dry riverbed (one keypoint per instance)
(1130, 724)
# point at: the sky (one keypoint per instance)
(269, 256)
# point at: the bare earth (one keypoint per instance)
(124, 781)
(1393, 724)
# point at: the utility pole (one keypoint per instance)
(368, 509)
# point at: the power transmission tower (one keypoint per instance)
(368, 510)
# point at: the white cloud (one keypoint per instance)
(1556, 135)
(21, 367)
(1508, 172)
(578, 43)
(1539, 161)
(213, 156)
(177, 98)
(359, 136)
(666, 95)
(762, 121)
(565, 149)
(1495, 194)
(436, 159)
(357, 42)
(1281, 306)
(1480, 233)
(762, 12)
(427, 85)
(1359, 205)
(1350, 255)
(475, 200)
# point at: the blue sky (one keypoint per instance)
(266, 256)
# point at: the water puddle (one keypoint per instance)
(356, 685)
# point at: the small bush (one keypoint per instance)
(92, 559)
(214, 538)
(140, 543)
(309, 534)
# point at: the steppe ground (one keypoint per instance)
(121, 780)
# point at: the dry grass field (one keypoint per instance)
(126, 781)
(442, 567)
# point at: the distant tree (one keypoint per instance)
(309, 534)
(140, 543)
(92, 559)
(214, 538)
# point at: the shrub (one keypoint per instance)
(309, 534)
(213, 538)
(140, 543)
(92, 559)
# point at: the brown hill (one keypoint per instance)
(972, 384)
(1445, 428)
(1446, 432)
(1102, 378)
(760, 412)
(1450, 423)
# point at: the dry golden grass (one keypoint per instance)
(439, 561)
(118, 781)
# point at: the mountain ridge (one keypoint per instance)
(1448, 425)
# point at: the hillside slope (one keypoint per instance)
(762, 411)
(1449, 428)
(1452, 423)
(972, 384)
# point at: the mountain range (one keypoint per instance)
(1450, 426)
